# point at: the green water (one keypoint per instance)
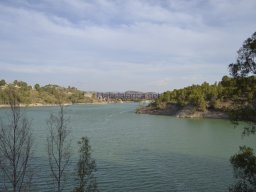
(136, 152)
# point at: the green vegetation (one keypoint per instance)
(244, 162)
(200, 96)
(235, 95)
(219, 96)
(86, 167)
(244, 165)
(48, 94)
(246, 60)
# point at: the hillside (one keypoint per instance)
(51, 94)
(48, 94)
(218, 100)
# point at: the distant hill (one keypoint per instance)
(48, 94)
(51, 94)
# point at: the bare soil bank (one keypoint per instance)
(183, 112)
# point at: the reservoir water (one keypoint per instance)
(138, 152)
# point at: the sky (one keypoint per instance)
(119, 45)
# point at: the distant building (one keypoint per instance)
(130, 95)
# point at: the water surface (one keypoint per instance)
(137, 152)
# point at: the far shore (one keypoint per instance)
(64, 104)
(36, 105)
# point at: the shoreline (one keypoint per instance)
(35, 105)
(170, 110)
(64, 104)
(183, 112)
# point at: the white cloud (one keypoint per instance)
(147, 41)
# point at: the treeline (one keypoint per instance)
(48, 94)
(223, 95)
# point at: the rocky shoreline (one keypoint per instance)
(183, 112)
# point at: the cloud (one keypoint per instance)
(144, 44)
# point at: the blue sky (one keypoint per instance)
(118, 45)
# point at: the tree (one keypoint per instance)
(15, 148)
(20, 83)
(2, 82)
(244, 165)
(59, 148)
(37, 87)
(86, 167)
(246, 60)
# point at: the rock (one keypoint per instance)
(188, 111)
